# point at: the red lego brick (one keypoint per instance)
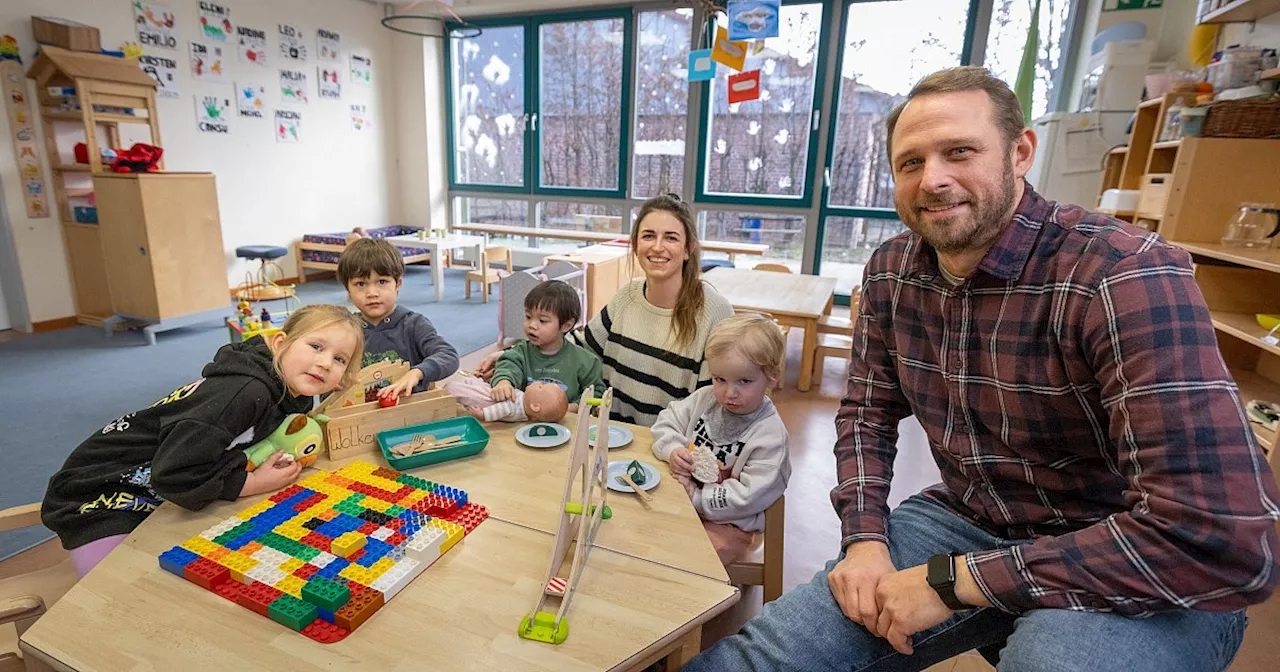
(367, 529)
(206, 573)
(228, 590)
(397, 539)
(306, 571)
(395, 524)
(469, 516)
(285, 494)
(389, 497)
(257, 597)
(316, 540)
(355, 556)
(420, 506)
(357, 588)
(389, 474)
(358, 609)
(404, 491)
(325, 632)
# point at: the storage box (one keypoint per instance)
(65, 34)
(474, 438)
(1154, 194)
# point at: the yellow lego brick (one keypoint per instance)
(452, 536)
(294, 532)
(255, 509)
(291, 585)
(412, 498)
(347, 544)
(199, 545)
(375, 504)
(355, 470)
(358, 574)
(291, 565)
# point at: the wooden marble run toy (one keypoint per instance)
(321, 556)
(355, 415)
(580, 520)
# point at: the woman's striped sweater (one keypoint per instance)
(636, 342)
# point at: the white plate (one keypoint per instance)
(561, 437)
(618, 436)
(619, 467)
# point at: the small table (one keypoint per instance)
(453, 241)
(792, 299)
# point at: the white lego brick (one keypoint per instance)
(382, 533)
(323, 559)
(405, 572)
(425, 545)
(383, 584)
(264, 574)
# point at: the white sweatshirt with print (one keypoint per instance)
(752, 451)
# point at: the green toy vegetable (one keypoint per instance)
(636, 472)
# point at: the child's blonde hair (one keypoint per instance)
(308, 319)
(757, 337)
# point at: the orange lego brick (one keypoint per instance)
(358, 609)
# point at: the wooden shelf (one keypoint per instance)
(1167, 144)
(1242, 11)
(1244, 327)
(1154, 102)
(1117, 213)
(1264, 259)
(1252, 386)
(1273, 73)
(73, 168)
(79, 193)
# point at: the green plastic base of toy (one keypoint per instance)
(576, 509)
(543, 628)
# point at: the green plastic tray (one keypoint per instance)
(475, 438)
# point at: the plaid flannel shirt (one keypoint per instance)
(1075, 400)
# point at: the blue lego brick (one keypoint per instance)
(376, 547)
(240, 541)
(176, 559)
(331, 530)
(324, 615)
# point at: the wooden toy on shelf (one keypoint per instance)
(579, 522)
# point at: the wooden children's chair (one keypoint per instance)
(486, 276)
(830, 345)
(830, 324)
(773, 268)
(786, 331)
(21, 611)
(766, 571)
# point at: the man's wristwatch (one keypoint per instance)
(942, 578)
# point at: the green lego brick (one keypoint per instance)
(305, 553)
(291, 612)
(225, 538)
(395, 510)
(326, 594)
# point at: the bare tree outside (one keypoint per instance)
(580, 96)
(1010, 20)
(661, 102)
(488, 107)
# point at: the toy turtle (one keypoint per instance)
(299, 437)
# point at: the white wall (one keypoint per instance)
(1265, 33)
(420, 127)
(268, 192)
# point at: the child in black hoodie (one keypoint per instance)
(183, 448)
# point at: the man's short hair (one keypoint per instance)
(1008, 112)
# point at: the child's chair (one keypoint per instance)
(830, 345)
(766, 571)
(486, 276)
(22, 611)
(773, 268)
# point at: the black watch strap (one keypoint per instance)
(942, 578)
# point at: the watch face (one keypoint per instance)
(941, 571)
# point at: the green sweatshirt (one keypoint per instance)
(573, 368)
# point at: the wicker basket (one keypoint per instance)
(1256, 118)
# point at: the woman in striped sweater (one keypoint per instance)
(652, 335)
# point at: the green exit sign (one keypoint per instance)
(1119, 5)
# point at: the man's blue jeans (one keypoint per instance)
(805, 629)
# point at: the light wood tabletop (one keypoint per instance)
(523, 486)
(791, 298)
(651, 581)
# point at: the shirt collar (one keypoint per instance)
(1005, 259)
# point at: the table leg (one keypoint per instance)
(437, 271)
(806, 355)
(689, 647)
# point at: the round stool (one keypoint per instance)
(260, 286)
(708, 264)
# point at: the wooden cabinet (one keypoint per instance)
(161, 241)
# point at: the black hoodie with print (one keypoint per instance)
(181, 449)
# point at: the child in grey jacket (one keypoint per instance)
(726, 444)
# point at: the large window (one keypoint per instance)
(494, 211)
(662, 102)
(1007, 37)
(784, 234)
(761, 148)
(847, 245)
(488, 121)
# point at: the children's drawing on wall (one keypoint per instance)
(211, 114)
(13, 84)
(162, 69)
(361, 69)
(251, 100)
(253, 45)
(360, 117)
(293, 86)
(288, 123)
(215, 21)
(753, 19)
(330, 87)
(733, 54)
(206, 62)
(328, 45)
(156, 25)
(292, 47)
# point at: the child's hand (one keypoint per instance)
(688, 483)
(402, 387)
(278, 471)
(681, 462)
(484, 370)
(573, 408)
(504, 391)
(475, 412)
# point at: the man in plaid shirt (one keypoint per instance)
(1103, 504)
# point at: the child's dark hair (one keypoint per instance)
(366, 256)
(555, 297)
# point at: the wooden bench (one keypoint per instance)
(732, 249)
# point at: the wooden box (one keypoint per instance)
(161, 243)
(65, 34)
(1154, 194)
(353, 430)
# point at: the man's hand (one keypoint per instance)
(402, 387)
(908, 604)
(853, 582)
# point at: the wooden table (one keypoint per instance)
(792, 299)
(453, 241)
(650, 583)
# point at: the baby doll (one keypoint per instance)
(539, 402)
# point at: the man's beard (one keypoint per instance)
(947, 235)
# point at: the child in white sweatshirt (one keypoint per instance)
(736, 425)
